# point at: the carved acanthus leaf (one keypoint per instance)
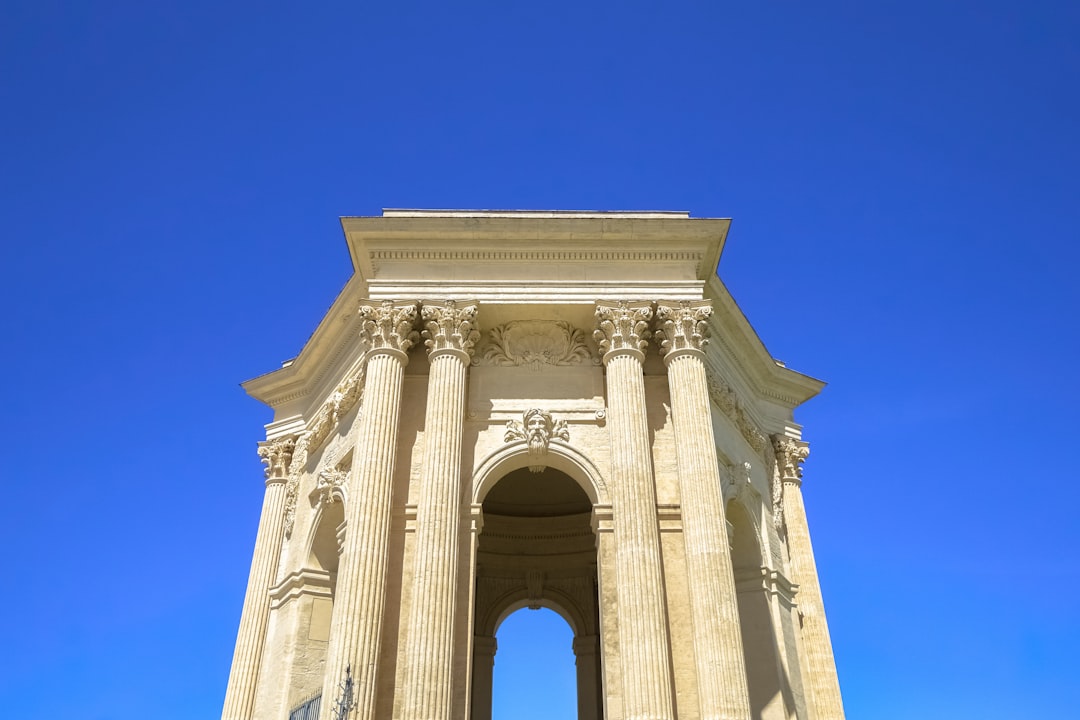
(535, 343)
(389, 325)
(537, 428)
(790, 454)
(277, 454)
(728, 401)
(449, 325)
(623, 325)
(683, 325)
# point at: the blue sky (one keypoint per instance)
(903, 183)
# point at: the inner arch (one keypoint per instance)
(535, 677)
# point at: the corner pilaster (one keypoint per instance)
(821, 683)
(251, 637)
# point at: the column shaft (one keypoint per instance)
(429, 671)
(643, 635)
(820, 679)
(251, 637)
(721, 671)
(357, 624)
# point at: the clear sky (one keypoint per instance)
(903, 182)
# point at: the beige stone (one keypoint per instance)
(589, 425)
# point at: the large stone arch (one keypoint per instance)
(561, 456)
(537, 559)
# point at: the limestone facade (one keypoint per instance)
(533, 409)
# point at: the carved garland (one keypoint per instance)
(728, 401)
(341, 401)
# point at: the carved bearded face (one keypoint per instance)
(536, 432)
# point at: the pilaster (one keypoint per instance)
(721, 672)
(645, 648)
(251, 637)
(821, 683)
(387, 330)
(449, 335)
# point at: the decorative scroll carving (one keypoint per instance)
(622, 325)
(449, 326)
(389, 325)
(683, 325)
(277, 454)
(790, 454)
(535, 343)
(726, 399)
(537, 428)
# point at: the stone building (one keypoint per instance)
(533, 409)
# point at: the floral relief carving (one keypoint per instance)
(623, 325)
(537, 428)
(389, 325)
(535, 343)
(449, 325)
(683, 325)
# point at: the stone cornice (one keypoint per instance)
(380, 244)
(733, 335)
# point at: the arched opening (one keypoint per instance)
(535, 678)
(536, 550)
(770, 692)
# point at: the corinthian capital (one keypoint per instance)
(682, 325)
(277, 454)
(450, 326)
(790, 454)
(389, 325)
(623, 326)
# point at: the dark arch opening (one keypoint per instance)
(536, 550)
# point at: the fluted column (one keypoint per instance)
(356, 628)
(449, 334)
(644, 646)
(820, 679)
(251, 637)
(682, 330)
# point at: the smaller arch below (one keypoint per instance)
(558, 602)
